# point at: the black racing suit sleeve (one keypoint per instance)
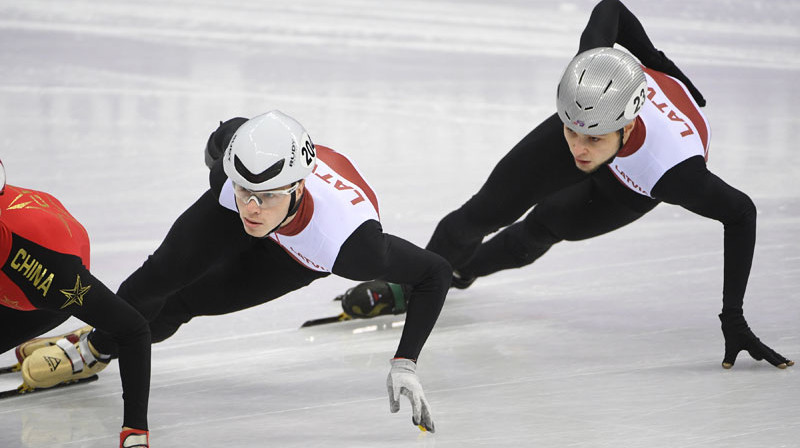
(217, 177)
(219, 139)
(611, 22)
(217, 142)
(370, 254)
(692, 186)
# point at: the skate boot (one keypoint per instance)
(26, 348)
(62, 362)
(375, 298)
(134, 438)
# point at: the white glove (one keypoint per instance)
(403, 380)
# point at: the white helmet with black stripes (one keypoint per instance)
(268, 152)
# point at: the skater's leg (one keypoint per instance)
(582, 211)
(20, 326)
(536, 167)
(258, 275)
(205, 235)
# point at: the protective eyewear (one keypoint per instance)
(264, 199)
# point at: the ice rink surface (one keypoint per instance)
(611, 342)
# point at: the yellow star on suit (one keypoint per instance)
(75, 295)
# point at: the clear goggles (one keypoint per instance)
(264, 199)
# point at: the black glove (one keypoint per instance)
(739, 336)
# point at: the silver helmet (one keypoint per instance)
(268, 152)
(601, 91)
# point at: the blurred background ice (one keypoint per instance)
(611, 342)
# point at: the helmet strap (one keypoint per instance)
(294, 205)
(621, 138)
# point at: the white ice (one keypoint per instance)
(611, 342)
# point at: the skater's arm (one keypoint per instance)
(217, 143)
(219, 139)
(611, 22)
(692, 186)
(115, 317)
(371, 254)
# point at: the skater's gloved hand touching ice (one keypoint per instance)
(739, 336)
(403, 380)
